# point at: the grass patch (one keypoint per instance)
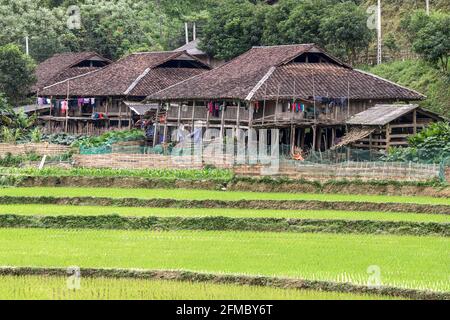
(187, 174)
(55, 288)
(60, 210)
(184, 194)
(405, 261)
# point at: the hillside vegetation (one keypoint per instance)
(420, 76)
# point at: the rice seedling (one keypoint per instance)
(60, 210)
(55, 288)
(404, 261)
(185, 194)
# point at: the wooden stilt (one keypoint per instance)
(222, 121)
(120, 114)
(319, 141)
(303, 138)
(155, 133)
(193, 117)
(314, 129)
(165, 127)
(333, 136)
(292, 142)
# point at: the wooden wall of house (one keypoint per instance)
(397, 132)
(279, 112)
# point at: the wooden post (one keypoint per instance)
(193, 116)
(333, 136)
(250, 116)
(388, 136)
(120, 114)
(222, 122)
(156, 125)
(109, 102)
(292, 138)
(179, 115)
(319, 144)
(302, 138)
(238, 115)
(314, 129)
(165, 126)
(208, 117)
(130, 117)
(415, 121)
(67, 110)
(238, 119)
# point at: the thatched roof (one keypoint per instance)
(138, 74)
(63, 66)
(268, 72)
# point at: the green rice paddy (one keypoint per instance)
(184, 194)
(60, 210)
(404, 261)
(55, 288)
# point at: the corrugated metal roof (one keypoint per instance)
(140, 108)
(31, 108)
(381, 114)
(192, 48)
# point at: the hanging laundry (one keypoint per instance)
(64, 106)
(40, 101)
(92, 100)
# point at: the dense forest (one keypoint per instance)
(228, 28)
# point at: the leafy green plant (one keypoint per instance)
(36, 135)
(107, 139)
(431, 145)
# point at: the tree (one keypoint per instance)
(16, 73)
(344, 30)
(303, 23)
(115, 28)
(43, 26)
(233, 28)
(430, 37)
(273, 33)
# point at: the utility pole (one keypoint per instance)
(428, 7)
(27, 47)
(380, 39)
(186, 29)
(195, 31)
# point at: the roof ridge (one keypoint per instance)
(137, 80)
(260, 83)
(76, 77)
(284, 45)
(152, 52)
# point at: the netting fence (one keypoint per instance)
(340, 163)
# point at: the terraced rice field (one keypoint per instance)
(185, 194)
(414, 262)
(60, 210)
(55, 288)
